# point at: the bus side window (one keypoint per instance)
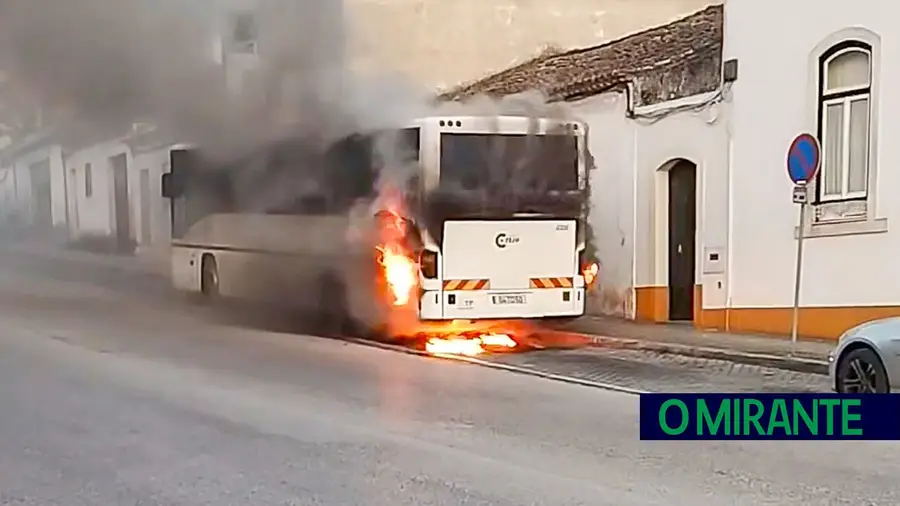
(173, 182)
(316, 205)
(350, 172)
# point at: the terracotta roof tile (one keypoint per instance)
(676, 48)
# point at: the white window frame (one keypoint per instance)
(858, 216)
(844, 96)
(845, 103)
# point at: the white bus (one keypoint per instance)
(489, 226)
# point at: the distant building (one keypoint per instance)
(113, 190)
(33, 182)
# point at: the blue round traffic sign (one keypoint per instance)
(803, 159)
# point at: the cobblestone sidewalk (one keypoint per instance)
(665, 372)
(771, 351)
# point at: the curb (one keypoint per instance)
(798, 364)
(496, 365)
(133, 264)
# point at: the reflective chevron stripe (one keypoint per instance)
(466, 284)
(551, 283)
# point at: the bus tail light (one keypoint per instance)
(428, 264)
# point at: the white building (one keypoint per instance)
(830, 76)
(103, 188)
(33, 182)
(692, 204)
(114, 193)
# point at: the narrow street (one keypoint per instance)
(111, 398)
(631, 369)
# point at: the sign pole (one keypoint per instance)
(803, 163)
(795, 318)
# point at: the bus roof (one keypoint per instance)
(497, 124)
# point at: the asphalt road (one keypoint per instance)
(106, 400)
(629, 369)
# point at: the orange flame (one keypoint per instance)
(590, 274)
(454, 346)
(468, 346)
(400, 272)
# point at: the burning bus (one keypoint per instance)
(486, 225)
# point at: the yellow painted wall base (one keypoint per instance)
(652, 305)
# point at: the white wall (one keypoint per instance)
(630, 190)
(774, 101)
(22, 181)
(610, 137)
(157, 163)
(53, 155)
(95, 216)
(9, 207)
(700, 137)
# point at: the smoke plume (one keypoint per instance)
(271, 147)
(114, 62)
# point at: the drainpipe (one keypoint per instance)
(634, 207)
(729, 244)
(65, 171)
(15, 175)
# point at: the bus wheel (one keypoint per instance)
(209, 277)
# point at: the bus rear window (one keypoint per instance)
(518, 162)
(410, 144)
(397, 147)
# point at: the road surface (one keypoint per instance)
(105, 400)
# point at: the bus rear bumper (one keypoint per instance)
(502, 304)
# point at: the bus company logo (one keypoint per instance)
(503, 240)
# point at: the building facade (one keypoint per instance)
(33, 183)
(832, 77)
(114, 195)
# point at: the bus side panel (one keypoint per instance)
(242, 274)
(185, 269)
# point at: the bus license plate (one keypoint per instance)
(509, 299)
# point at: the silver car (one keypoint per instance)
(867, 358)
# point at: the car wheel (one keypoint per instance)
(209, 277)
(861, 372)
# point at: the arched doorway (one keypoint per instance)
(682, 240)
